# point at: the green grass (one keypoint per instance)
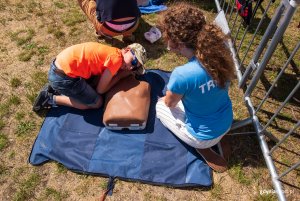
(6, 105)
(56, 31)
(11, 154)
(3, 169)
(4, 109)
(39, 79)
(15, 82)
(266, 197)
(31, 49)
(26, 188)
(30, 46)
(31, 95)
(59, 4)
(43, 50)
(18, 172)
(103, 184)
(55, 194)
(60, 168)
(25, 127)
(40, 61)
(286, 160)
(73, 17)
(19, 5)
(239, 175)
(217, 191)
(22, 37)
(3, 6)
(3, 141)
(149, 196)
(34, 7)
(14, 100)
(20, 116)
(3, 21)
(74, 31)
(3, 49)
(26, 55)
(2, 124)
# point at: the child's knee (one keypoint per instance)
(96, 105)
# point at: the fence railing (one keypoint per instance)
(254, 45)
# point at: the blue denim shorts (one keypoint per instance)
(75, 88)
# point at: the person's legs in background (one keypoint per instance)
(128, 35)
(89, 8)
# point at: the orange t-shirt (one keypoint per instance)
(87, 59)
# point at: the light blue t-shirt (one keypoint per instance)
(207, 106)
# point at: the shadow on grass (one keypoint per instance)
(245, 148)
(283, 87)
(255, 20)
(246, 153)
(290, 185)
(277, 123)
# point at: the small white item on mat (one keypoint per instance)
(153, 35)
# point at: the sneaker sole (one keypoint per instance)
(36, 108)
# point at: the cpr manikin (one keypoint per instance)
(127, 105)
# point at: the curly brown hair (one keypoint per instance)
(184, 23)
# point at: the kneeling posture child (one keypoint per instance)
(71, 69)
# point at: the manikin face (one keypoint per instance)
(130, 60)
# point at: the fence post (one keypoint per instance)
(291, 8)
(264, 51)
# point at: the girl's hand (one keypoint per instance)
(171, 99)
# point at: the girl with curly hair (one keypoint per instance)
(197, 107)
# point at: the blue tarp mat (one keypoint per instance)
(78, 140)
(153, 7)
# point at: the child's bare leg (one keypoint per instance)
(67, 101)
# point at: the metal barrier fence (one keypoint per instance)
(253, 45)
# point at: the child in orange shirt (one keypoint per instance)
(72, 67)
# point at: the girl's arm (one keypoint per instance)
(171, 99)
(107, 80)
